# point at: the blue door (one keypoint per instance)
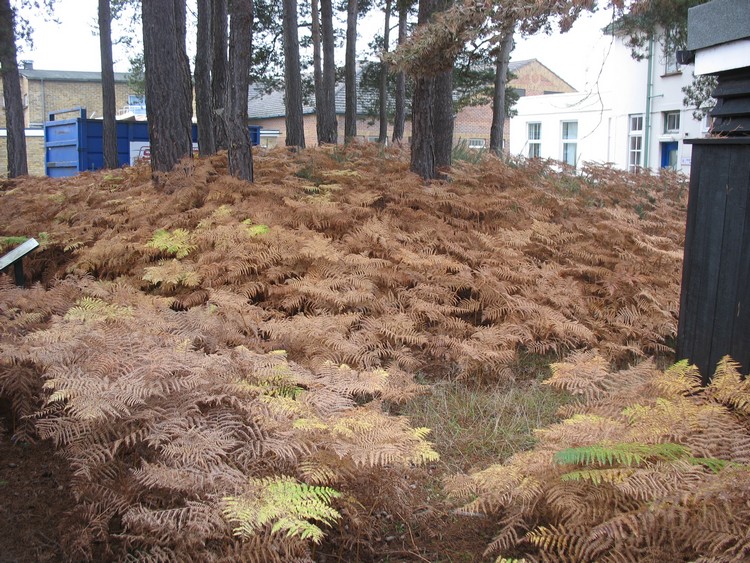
(669, 155)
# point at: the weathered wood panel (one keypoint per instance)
(715, 298)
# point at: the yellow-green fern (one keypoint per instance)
(176, 243)
(287, 505)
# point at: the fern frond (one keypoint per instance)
(171, 274)
(599, 476)
(176, 243)
(285, 504)
(628, 454)
(729, 387)
(91, 309)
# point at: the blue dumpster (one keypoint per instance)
(76, 144)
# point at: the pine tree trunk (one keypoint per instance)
(383, 94)
(14, 121)
(109, 133)
(498, 98)
(327, 114)
(203, 103)
(399, 116)
(219, 22)
(350, 71)
(317, 72)
(432, 112)
(240, 53)
(442, 119)
(295, 127)
(169, 93)
(422, 140)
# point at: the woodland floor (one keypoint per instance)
(33, 497)
(623, 302)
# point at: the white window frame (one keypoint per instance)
(534, 140)
(675, 127)
(635, 141)
(476, 143)
(568, 142)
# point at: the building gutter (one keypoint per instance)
(649, 89)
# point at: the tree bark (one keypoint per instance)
(498, 98)
(109, 132)
(327, 114)
(399, 116)
(240, 53)
(442, 119)
(203, 100)
(422, 140)
(317, 70)
(169, 93)
(219, 22)
(350, 73)
(432, 113)
(383, 94)
(14, 120)
(295, 127)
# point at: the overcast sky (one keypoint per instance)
(72, 45)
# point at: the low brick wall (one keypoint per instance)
(34, 155)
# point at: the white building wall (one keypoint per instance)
(616, 89)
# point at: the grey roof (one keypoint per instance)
(718, 22)
(68, 75)
(261, 105)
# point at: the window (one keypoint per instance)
(670, 62)
(672, 122)
(635, 142)
(569, 142)
(535, 140)
(476, 143)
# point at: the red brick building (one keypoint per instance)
(471, 124)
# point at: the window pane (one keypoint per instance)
(636, 123)
(569, 153)
(535, 131)
(535, 150)
(671, 121)
(570, 130)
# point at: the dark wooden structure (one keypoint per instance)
(715, 296)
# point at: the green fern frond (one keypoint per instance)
(628, 454)
(176, 243)
(289, 506)
(91, 309)
(599, 476)
(255, 230)
(712, 463)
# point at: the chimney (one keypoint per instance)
(27, 65)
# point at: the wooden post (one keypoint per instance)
(15, 258)
(715, 295)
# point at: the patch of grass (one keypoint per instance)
(462, 152)
(474, 426)
(8, 242)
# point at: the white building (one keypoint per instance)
(630, 114)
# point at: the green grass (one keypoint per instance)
(474, 426)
